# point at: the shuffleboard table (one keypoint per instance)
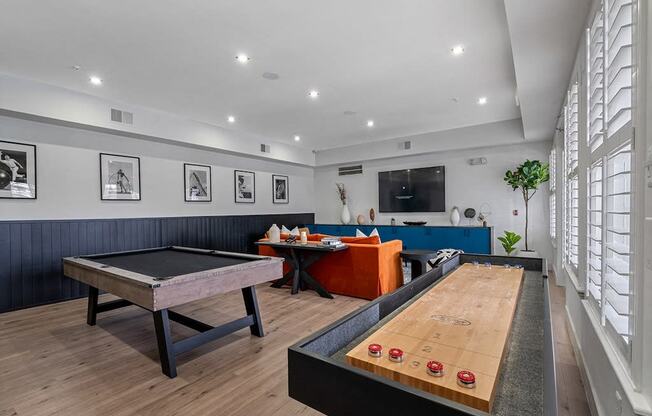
(469, 317)
(161, 278)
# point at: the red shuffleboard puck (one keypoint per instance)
(435, 368)
(375, 350)
(396, 355)
(466, 379)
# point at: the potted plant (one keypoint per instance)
(508, 241)
(527, 177)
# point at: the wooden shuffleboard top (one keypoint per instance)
(463, 322)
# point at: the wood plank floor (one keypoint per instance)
(570, 389)
(52, 363)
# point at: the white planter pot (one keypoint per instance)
(345, 216)
(455, 216)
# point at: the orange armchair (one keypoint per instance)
(364, 270)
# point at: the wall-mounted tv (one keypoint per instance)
(412, 190)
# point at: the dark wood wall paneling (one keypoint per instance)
(31, 251)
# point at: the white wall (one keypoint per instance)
(489, 134)
(466, 186)
(44, 100)
(69, 185)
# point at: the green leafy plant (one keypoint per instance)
(509, 240)
(527, 177)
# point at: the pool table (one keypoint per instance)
(161, 278)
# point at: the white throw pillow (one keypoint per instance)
(285, 230)
(295, 231)
(359, 233)
(374, 232)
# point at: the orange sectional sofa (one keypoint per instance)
(368, 269)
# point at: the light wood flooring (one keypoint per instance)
(52, 363)
(571, 397)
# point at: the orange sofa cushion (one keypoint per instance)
(361, 240)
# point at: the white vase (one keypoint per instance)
(345, 216)
(455, 216)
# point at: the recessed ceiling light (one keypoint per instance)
(231, 119)
(95, 80)
(242, 58)
(313, 94)
(457, 50)
(482, 100)
(297, 138)
(370, 123)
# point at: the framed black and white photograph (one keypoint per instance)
(245, 186)
(197, 183)
(120, 177)
(280, 189)
(17, 170)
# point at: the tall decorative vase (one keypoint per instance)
(455, 216)
(345, 217)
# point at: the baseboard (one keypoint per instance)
(594, 406)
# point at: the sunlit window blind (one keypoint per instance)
(573, 222)
(553, 216)
(552, 162)
(572, 127)
(595, 81)
(594, 234)
(618, 250)
(618, 47)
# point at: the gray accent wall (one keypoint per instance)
(31, 250)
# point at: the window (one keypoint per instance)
(572, 223)
(571, 143)
(552, 161)
(609, 138)
(553, 216)
(572, 129)
(595, 81)
(617, 275)
(618, 52)
(594, 234)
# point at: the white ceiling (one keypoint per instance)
(385, 60)
(544, 37)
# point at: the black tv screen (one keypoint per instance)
(412, 190)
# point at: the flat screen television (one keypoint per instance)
(412, 190)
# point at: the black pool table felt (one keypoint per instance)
(169, 262)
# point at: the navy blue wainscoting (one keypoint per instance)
(31, 251)
(476, 240)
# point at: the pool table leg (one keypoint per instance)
(91, 314)
(165, 346)
(251, 306)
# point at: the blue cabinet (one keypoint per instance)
(469, 239)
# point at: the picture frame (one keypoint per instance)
(17, 170)
(244, 187)
(197, 183)
(280, 189)
(119, 177)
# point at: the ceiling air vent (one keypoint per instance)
(265, 148)
(120, 116)
(406, 145)
(350, 170)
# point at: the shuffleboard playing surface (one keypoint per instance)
(463, 322)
